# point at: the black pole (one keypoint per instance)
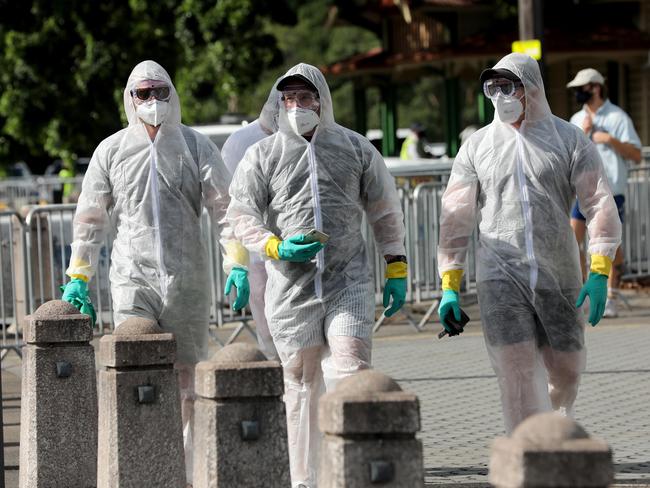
(531, 25)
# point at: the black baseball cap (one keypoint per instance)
(488, 74)
(295, 79)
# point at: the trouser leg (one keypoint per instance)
(522, 381)
(303, 387)
(564, 371)
(344, 357)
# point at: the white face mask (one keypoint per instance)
(153, 112)
(302, 120)
(509, 109)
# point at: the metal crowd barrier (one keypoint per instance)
(636, 228)
(35, 253)
(12, 248)
(16, 193)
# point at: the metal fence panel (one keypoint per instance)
(636, 228)
(43, 241)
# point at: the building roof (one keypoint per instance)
(484, 45)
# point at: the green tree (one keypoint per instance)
(319, 40)
(64, 63)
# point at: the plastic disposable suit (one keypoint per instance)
(520, 185)
(320, 312)
(152, 194)
(232, 152)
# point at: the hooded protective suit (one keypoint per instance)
(151, 194)
(233, 151)
(287, 185)
(520, 185)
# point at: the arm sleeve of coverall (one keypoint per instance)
(215, 178)
(382, 205)
(91, 219)
(248, 203)
(589, 180)
(458, 214)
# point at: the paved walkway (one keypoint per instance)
(459, 402)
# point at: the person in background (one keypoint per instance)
(233, 151)
(413, 145)
(150, 182)
(67, 172)
(314, 174)
(618, 144)
(518, 177)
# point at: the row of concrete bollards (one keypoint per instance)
(131, 434)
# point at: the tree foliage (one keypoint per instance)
(317, 39)
(64, 64)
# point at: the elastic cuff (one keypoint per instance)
(237, 253)
(396, 269)
(601, 264)
(79, 277)
(451, 280)
(271, 247)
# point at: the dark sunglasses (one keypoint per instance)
(161, 93)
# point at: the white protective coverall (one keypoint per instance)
(233, 151)
(151, 194)
(321, 312)
(520, 184)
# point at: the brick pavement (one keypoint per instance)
(461, 411)
(460, 408)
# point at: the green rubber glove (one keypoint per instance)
(76, 293)
(596, 288)
(396, 288)
(450, 301)
(297, 250)
(239, 278)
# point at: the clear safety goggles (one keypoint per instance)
(161, 93)
(507, 88)
(301, 98)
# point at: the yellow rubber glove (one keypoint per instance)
(296, 249)
(395, 287)
(450, 300)
(451, 280)
(601, 264)
(596, 288)
(76, 269)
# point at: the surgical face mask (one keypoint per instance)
(583, 96)
(509, 109)
(302, 120)
(153, 112)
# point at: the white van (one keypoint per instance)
(218, 133)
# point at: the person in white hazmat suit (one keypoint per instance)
(149, 182)
(232, 153)
(518, 177)
(316, 174)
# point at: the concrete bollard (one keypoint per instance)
(369, 427)
(549, 450)
(240, 422)
(140, 427)
(58, 419)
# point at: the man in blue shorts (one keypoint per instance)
(612, 130)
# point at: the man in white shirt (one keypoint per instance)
(612, 130)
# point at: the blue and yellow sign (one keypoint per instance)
(532, 47)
